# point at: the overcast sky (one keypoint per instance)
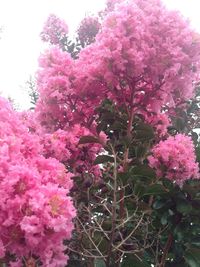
(22, 22)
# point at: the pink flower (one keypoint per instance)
(160, 122)
(54, 30)
(88, 29)
(35, 210)
(175, 159)
(2, 249)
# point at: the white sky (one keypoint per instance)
(22, 22)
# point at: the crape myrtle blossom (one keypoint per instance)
(54, 30)
(160, 123)
(175, 159)
(59, 114)
(35, 210)
(64, 146)
(88, 29)
(144, 57)
(54, 87)
(59, 105)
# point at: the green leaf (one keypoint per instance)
(164, 218)
(144, 171)
(99, 263)
(179, 232)
(103, 159)
(76, 263)
(183, 206)
(180, 123)
(139, 189)
(168, 184)
(195, 137)
(192, 257)
(88, 139)
(140, 150)
(198, 153)
(143, 132)
(158, 204)
(156, 189)
(196, 242)
(133, 261)
(123, 176)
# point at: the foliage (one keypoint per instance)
(33, 94)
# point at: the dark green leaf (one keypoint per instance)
(180, 124)
(99, 263)
(103, 159)
(76, 263)
(133, 261)
(183, 206)
(88, 139)
(195, 137)
(144, 171)
(164, 218)
(143, 131)
(198, 153)
(139, 189)
(192, 257)
(158, 204)
(196, 242)
(156, 189)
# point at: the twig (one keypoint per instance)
(113, 209)
(131, 233)
(91, 239)
(166, 250)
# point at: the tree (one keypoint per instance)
(118, 113)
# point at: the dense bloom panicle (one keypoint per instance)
(35, 210)
(160, 123)
(110, 5)
(59, 104)
(88, 29)
(175, 159)
(54, 30)
(64, 146)
(54, 86)
(144, 57)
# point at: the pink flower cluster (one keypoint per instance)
(59, 104)
(175, 159)
(54, 30)
(88, 29)
(55, 105)
(35, 210)
(64, 146)
(110, 4)
(160, 123)
(145, 58)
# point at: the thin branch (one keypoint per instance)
(131, 233)
(91, 239)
